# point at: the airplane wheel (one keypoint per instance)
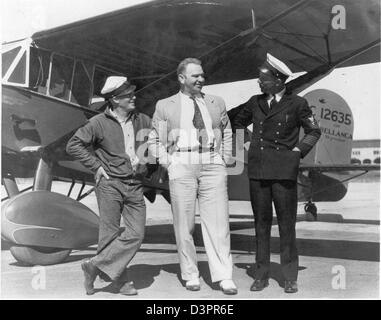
(311, 211)
(30, 256)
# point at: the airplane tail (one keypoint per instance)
(336, 122)
(334, 146)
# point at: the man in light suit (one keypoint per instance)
(192, 138)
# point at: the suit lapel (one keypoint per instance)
(263, 105)
(214, 113)
(175, 110)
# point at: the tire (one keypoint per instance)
(311, 212)
(43, 256)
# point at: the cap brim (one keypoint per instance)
(130, 89)
(123, 90)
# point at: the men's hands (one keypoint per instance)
(99, 174)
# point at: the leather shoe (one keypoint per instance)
(228, 287)
(128, 289)
(290, 286)
(193, 285)
(259, 285)
(90, 273)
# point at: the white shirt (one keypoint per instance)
(129, 137)
(188, 133)
(277, 96)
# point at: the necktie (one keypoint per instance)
(199, 124)
(273, 103)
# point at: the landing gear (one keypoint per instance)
(311, 211)
(30, 256)
(43, 226)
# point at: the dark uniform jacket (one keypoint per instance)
(104, 135)
(275, 134)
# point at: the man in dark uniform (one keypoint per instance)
(116, 137)
(274, 156)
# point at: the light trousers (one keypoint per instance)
(206, 183)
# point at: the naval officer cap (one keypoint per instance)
(276, 67)
(116, 86)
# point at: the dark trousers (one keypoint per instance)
(284, 195)
(117, 246)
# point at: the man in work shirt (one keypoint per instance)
(116, 137)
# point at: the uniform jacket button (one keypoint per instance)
(261, 148)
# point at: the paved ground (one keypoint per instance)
(339, 257)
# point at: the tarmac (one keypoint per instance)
(338, 257)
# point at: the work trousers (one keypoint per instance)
(284, 195)
(208, 184)
(117, 246)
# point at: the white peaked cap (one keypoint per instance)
(278, 65)
(112, 83)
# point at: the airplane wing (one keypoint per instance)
(232, 37)
(339, 167)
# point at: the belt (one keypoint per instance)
(130, 179)
(200, 149)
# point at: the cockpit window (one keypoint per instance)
(64, 84)
(19, 73)
(61, 76)
(81, 85)
(24, 64)
(15, 63)
(39, 69)
(7, 59)
(100, 76)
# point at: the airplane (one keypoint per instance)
(50, 80)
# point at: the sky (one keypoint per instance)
(359, 85)
(22, 18)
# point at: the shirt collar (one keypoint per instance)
(280, 94)
(185, 96)
(116, 117)
(277, 96)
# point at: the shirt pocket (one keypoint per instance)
(290, 119)
(290, 123)
(117, 162)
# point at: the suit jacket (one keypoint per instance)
(275, 134)
(166, 127)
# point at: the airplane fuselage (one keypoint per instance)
(32, 121)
